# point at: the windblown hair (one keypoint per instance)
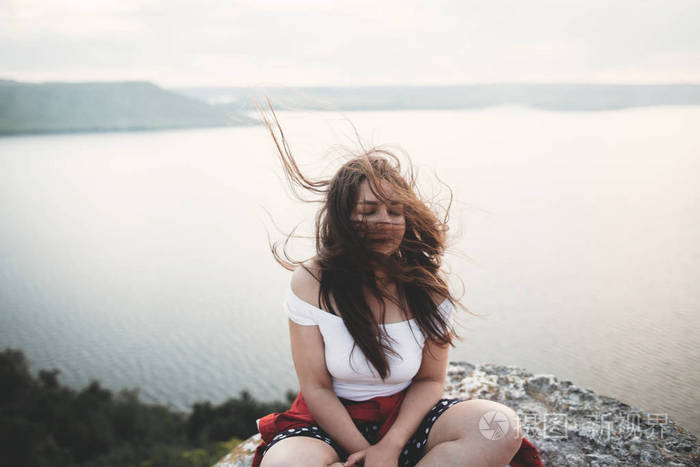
(346, 263)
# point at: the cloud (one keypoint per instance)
(315, 42)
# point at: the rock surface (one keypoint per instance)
(567, 424)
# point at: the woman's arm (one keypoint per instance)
(314, 380)
(425, 391)
(317, 389)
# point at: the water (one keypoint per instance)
(141, 259)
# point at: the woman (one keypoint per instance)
(370, 328)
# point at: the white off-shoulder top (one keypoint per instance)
(359, 380)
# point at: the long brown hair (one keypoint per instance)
(347, 264)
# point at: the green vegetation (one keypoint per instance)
(43, 423)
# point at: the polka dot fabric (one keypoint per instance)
(412, 451)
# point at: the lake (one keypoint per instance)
(141, 259)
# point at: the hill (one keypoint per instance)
(103, 106)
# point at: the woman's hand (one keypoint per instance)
(377, 455)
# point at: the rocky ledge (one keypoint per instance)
(567, 424)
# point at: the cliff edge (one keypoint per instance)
(567, 424)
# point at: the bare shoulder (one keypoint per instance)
(305, 281)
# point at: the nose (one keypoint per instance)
(383, 215)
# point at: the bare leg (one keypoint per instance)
(457, 440)
(301, 451)
(452, 453)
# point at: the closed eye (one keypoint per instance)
(391, 213)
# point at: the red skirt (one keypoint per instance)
(382, 410)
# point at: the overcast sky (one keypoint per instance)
(357, 43)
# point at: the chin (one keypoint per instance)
(385, 248)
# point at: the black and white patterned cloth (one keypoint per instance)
(412, 451)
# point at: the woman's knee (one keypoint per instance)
(481, 422)
(498, 426)
(299, 451)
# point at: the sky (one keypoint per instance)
(179, 43)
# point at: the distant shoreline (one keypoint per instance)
(571, 97)
(65, 108)
(79, 131)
